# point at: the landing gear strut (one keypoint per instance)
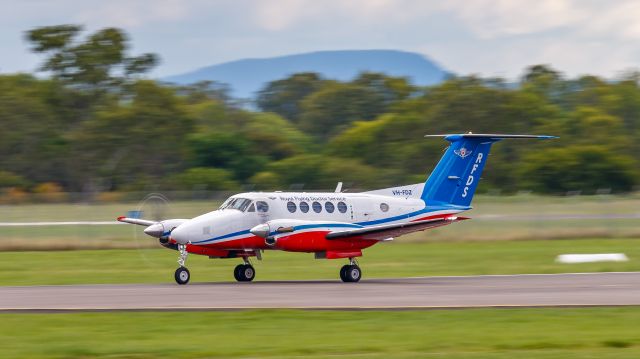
(182, 275)
(244, 272)
(350, 273)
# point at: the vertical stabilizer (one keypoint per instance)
(456, 176)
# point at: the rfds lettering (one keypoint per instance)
(471, 177)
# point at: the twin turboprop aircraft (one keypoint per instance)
(330, 225)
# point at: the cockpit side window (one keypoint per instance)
(225, 203)
(252, 208)
(262, 206)
(240, 204)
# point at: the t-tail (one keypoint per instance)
(456, 176)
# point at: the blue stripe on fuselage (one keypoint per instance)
(347, 225)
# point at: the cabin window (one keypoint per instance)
(329, 207)
(304, 207)
(262, 206)
(317, 207)
(384, 207)
(252, 208)
(291, 207)
(342, 207)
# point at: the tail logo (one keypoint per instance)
(471, 177)
(463, 152)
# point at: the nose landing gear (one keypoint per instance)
(244, 272)
(351, 272)
(182, 274)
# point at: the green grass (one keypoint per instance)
(476, 333)
(396, 259)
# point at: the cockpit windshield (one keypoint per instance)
(240, 204)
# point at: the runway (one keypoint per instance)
(578, 289)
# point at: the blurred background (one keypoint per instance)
(92, 122)
(163, 108)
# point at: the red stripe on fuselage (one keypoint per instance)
(297, 242)
(300, 242)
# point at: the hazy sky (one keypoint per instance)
(489, 37)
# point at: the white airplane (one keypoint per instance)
(330, 225)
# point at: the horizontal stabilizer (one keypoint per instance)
(491, 136)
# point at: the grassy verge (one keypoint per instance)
(396, 259)
(478, 333)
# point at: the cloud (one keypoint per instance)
(131, 14)
(494, 37)
(496, 18)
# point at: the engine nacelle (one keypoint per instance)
(271, 229)
(163, 229)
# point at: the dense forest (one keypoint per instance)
(92, 123)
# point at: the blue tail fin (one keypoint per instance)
(456, 176)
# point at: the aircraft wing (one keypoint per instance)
(138, 221)
(388, 231)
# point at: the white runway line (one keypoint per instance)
(590, 258)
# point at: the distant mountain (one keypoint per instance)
(248, 76)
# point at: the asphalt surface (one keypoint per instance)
(588, 289)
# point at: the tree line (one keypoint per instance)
(94, 123)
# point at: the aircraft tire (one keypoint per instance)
(343, 272)
(182, 276)
(236, 272)
(244, 273)
(353, 274)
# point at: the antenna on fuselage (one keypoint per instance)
(338, 188)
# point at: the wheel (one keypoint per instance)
(182, 276)
(236, 272)
(343, 272)
(352, 274)
(244, 273)
(248, 273)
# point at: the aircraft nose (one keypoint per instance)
(180, 234)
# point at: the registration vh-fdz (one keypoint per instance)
(333, 225)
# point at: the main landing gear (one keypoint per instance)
(244, 272)
(350, 273)
(182, 275)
